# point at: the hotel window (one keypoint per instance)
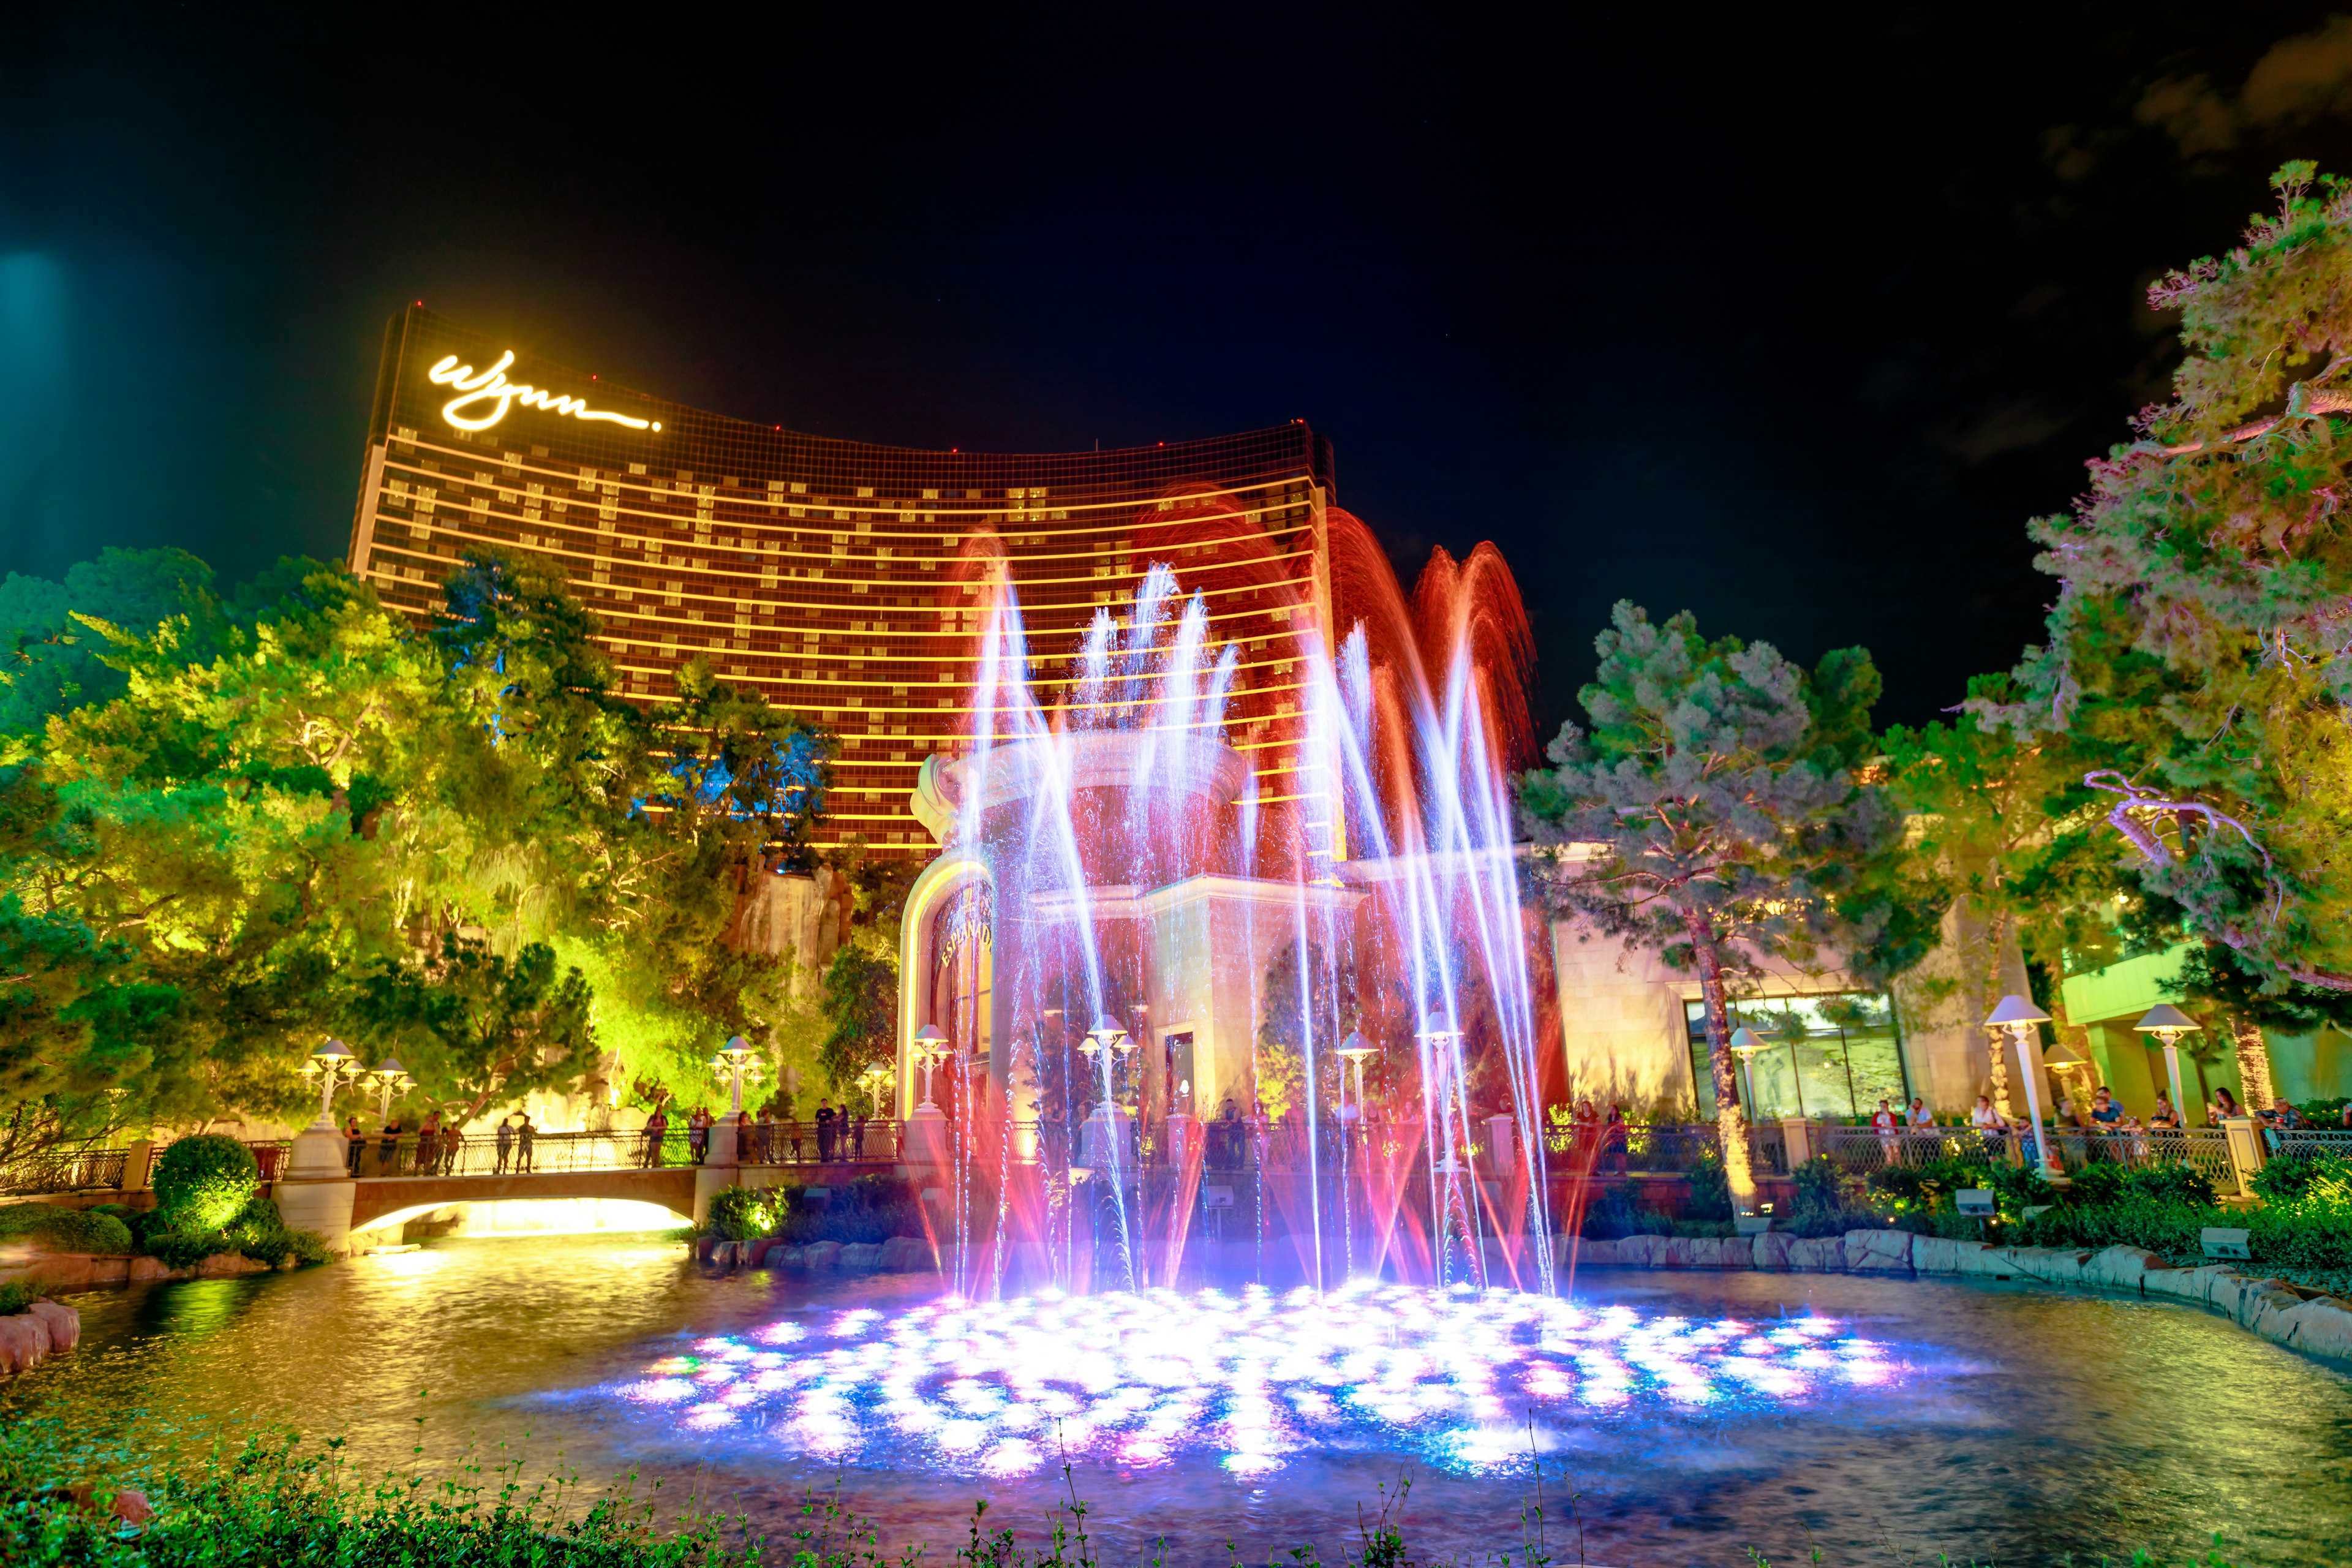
(1823, 1055)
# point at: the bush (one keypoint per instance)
(1823, 1187)
(260, 1234)
(1834, 1222)
(1617, 1215)
(204, 1181)
(2299, 1178)
(185, 1249)
(871, 1208)
(14, 1297)
(1710, 1187)
(741, 1213)
(50, 1228)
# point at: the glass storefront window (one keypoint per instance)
(1822, 1056)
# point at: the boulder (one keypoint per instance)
(24, 1341)
(2122, 1267)
(1817, 1254)
(2321, 1326)
(1772, 1249)
(1720, 1252)
(2264, 1303)
(1589, 1254)
(1885, 1251)
(906, 1254)
(145, 1270)
(229, 1265)
(861, 1257)
(2051, 1264)
(821, 1254)
(1643, 1251)
(65, 1324)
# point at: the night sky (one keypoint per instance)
(1788, 320)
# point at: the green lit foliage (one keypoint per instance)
(54, 639)
(472, 1026)
(51, 1229)
(1715, 813)
(2198, 631)
(860, 1003)
(292, 795)
(205, 1181)
(743, 1214)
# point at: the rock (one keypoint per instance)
(791, 1257)
(24, 1341)
(65, 1324)
(1885, 1251)
(2264, 1301)
(144, 1270)
(1722, 1252)
(228, 1265)
(1817, 1254)
(132, 1506)
(2051, 1264)
(2321, 1326)
(1934, 1255)
(1589, 1254)
(2121, 1267)
(1772, 1249)
(861, 1257)
(906, 1254)
(1643, 1251)
(821, 1254)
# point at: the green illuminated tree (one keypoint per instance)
(473, 1028)
(2200, 634)
(1714, 814)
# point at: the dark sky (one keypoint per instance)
(1789, 319)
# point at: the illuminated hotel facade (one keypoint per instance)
(840, 580)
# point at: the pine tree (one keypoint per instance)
(2201, 632)
(1714, 814)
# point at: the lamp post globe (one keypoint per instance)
(930, 1048)
(1745, 1045)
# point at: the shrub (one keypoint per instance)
(185, 1249)
(51, 1229)
(204, 1181)
(260, 1233)
(1710, 1187)
(2299, 1178)
(741, 1213)
(1823, 1187)
(1834, 1222)
(2166, 1228)
(1617, 1215)
(14, 1297)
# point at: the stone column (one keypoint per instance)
(138, 1166)
(1797, 1133)
(2244, 1140)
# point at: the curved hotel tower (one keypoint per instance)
(839, 579)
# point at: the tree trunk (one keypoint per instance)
(1730, 1118)
(2254, 1062)
(1996, 1048)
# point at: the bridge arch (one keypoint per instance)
(382, 1201)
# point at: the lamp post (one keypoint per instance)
(929, 1049)
(1355, 1050)
(1437, 1032)
(391, 1079)
(1745, 1045)
(331, 1066)
(2167, 1023)
(736, 1065)
(2020, 1019)
(876, 1077)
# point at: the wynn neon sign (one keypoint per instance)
(492, 387)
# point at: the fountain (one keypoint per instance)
(1161, 971)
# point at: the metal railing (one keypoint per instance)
(2303, 1143)
(74, 1170)
(454, 1154)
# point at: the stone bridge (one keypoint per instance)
(383, 1201)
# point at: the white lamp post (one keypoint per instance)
(1355, 1050)
(929, 1049)
(331, 1064)
(736, 1065)
(391, 1079)
(1745, 1045)
(2020, 1019)
(1437, 1031)
(2167, 1023)
(876, 1077)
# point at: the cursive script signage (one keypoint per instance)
(484, 398)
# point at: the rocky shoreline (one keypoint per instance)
(2280, 1311)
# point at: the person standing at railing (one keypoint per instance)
(656, 1130)
(355, 1142)
(1890, 1146)
(523, 1135)
(388, 1150)
(2164, 1117)
(825, 1119)
(1987, 1124)
(1613, 1140)
(505, 1145)
(767, 1139)
(1919, 1117)
(453, 1141)
(428, 1143)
